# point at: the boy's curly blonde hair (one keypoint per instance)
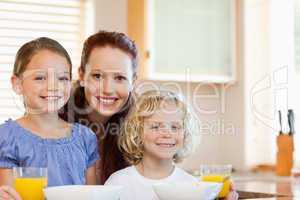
(130, 139)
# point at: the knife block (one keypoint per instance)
(284, 157)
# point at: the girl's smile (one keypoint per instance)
(163, 133)
(45, 83)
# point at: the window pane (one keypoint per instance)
(194, 34)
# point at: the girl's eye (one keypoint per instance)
(96, 76)
(40, 78)
(154, 128)
(120, 78)
(175, 128)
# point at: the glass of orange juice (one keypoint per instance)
(219, 174)
(29, 182)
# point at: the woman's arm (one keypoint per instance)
(90, 175)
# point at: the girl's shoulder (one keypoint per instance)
(181, 175)
(83, 130)
(9, 129)
(8, 124)
(12, 136)
(124, 172)
(120, 176)
(85, 135)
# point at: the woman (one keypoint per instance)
(103, 94)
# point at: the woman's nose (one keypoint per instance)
(107, 86)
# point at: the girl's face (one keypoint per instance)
(108, 80)
(45, 84)
(163, 133)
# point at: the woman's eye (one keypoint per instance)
(64, 78)
(121, 78)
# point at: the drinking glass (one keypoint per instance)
(219, 174)
(29, 182)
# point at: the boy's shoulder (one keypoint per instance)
(121, 176)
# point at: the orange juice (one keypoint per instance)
(219, 179)
(30, 188)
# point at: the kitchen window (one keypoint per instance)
(25, 20)
(192, 40)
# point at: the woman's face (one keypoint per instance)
(108, 80)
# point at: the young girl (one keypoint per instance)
(42, 75)
(159, 131)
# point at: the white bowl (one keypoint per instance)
(83, 192)
(187, 190)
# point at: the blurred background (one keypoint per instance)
(237, 61)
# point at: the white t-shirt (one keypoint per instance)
(137, 187)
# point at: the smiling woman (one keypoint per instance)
(103, 94)
(108, 78)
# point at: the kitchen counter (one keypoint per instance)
(266, 186)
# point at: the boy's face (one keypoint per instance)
(45, 84)
(163, 132)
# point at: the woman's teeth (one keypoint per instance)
(106, 101)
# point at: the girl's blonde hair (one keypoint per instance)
(130, 140)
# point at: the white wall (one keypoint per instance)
(283, 57)
(271, 81)
(257, 91)
(111, 15)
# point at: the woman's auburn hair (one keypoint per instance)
(76, 110)
(130, 140)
